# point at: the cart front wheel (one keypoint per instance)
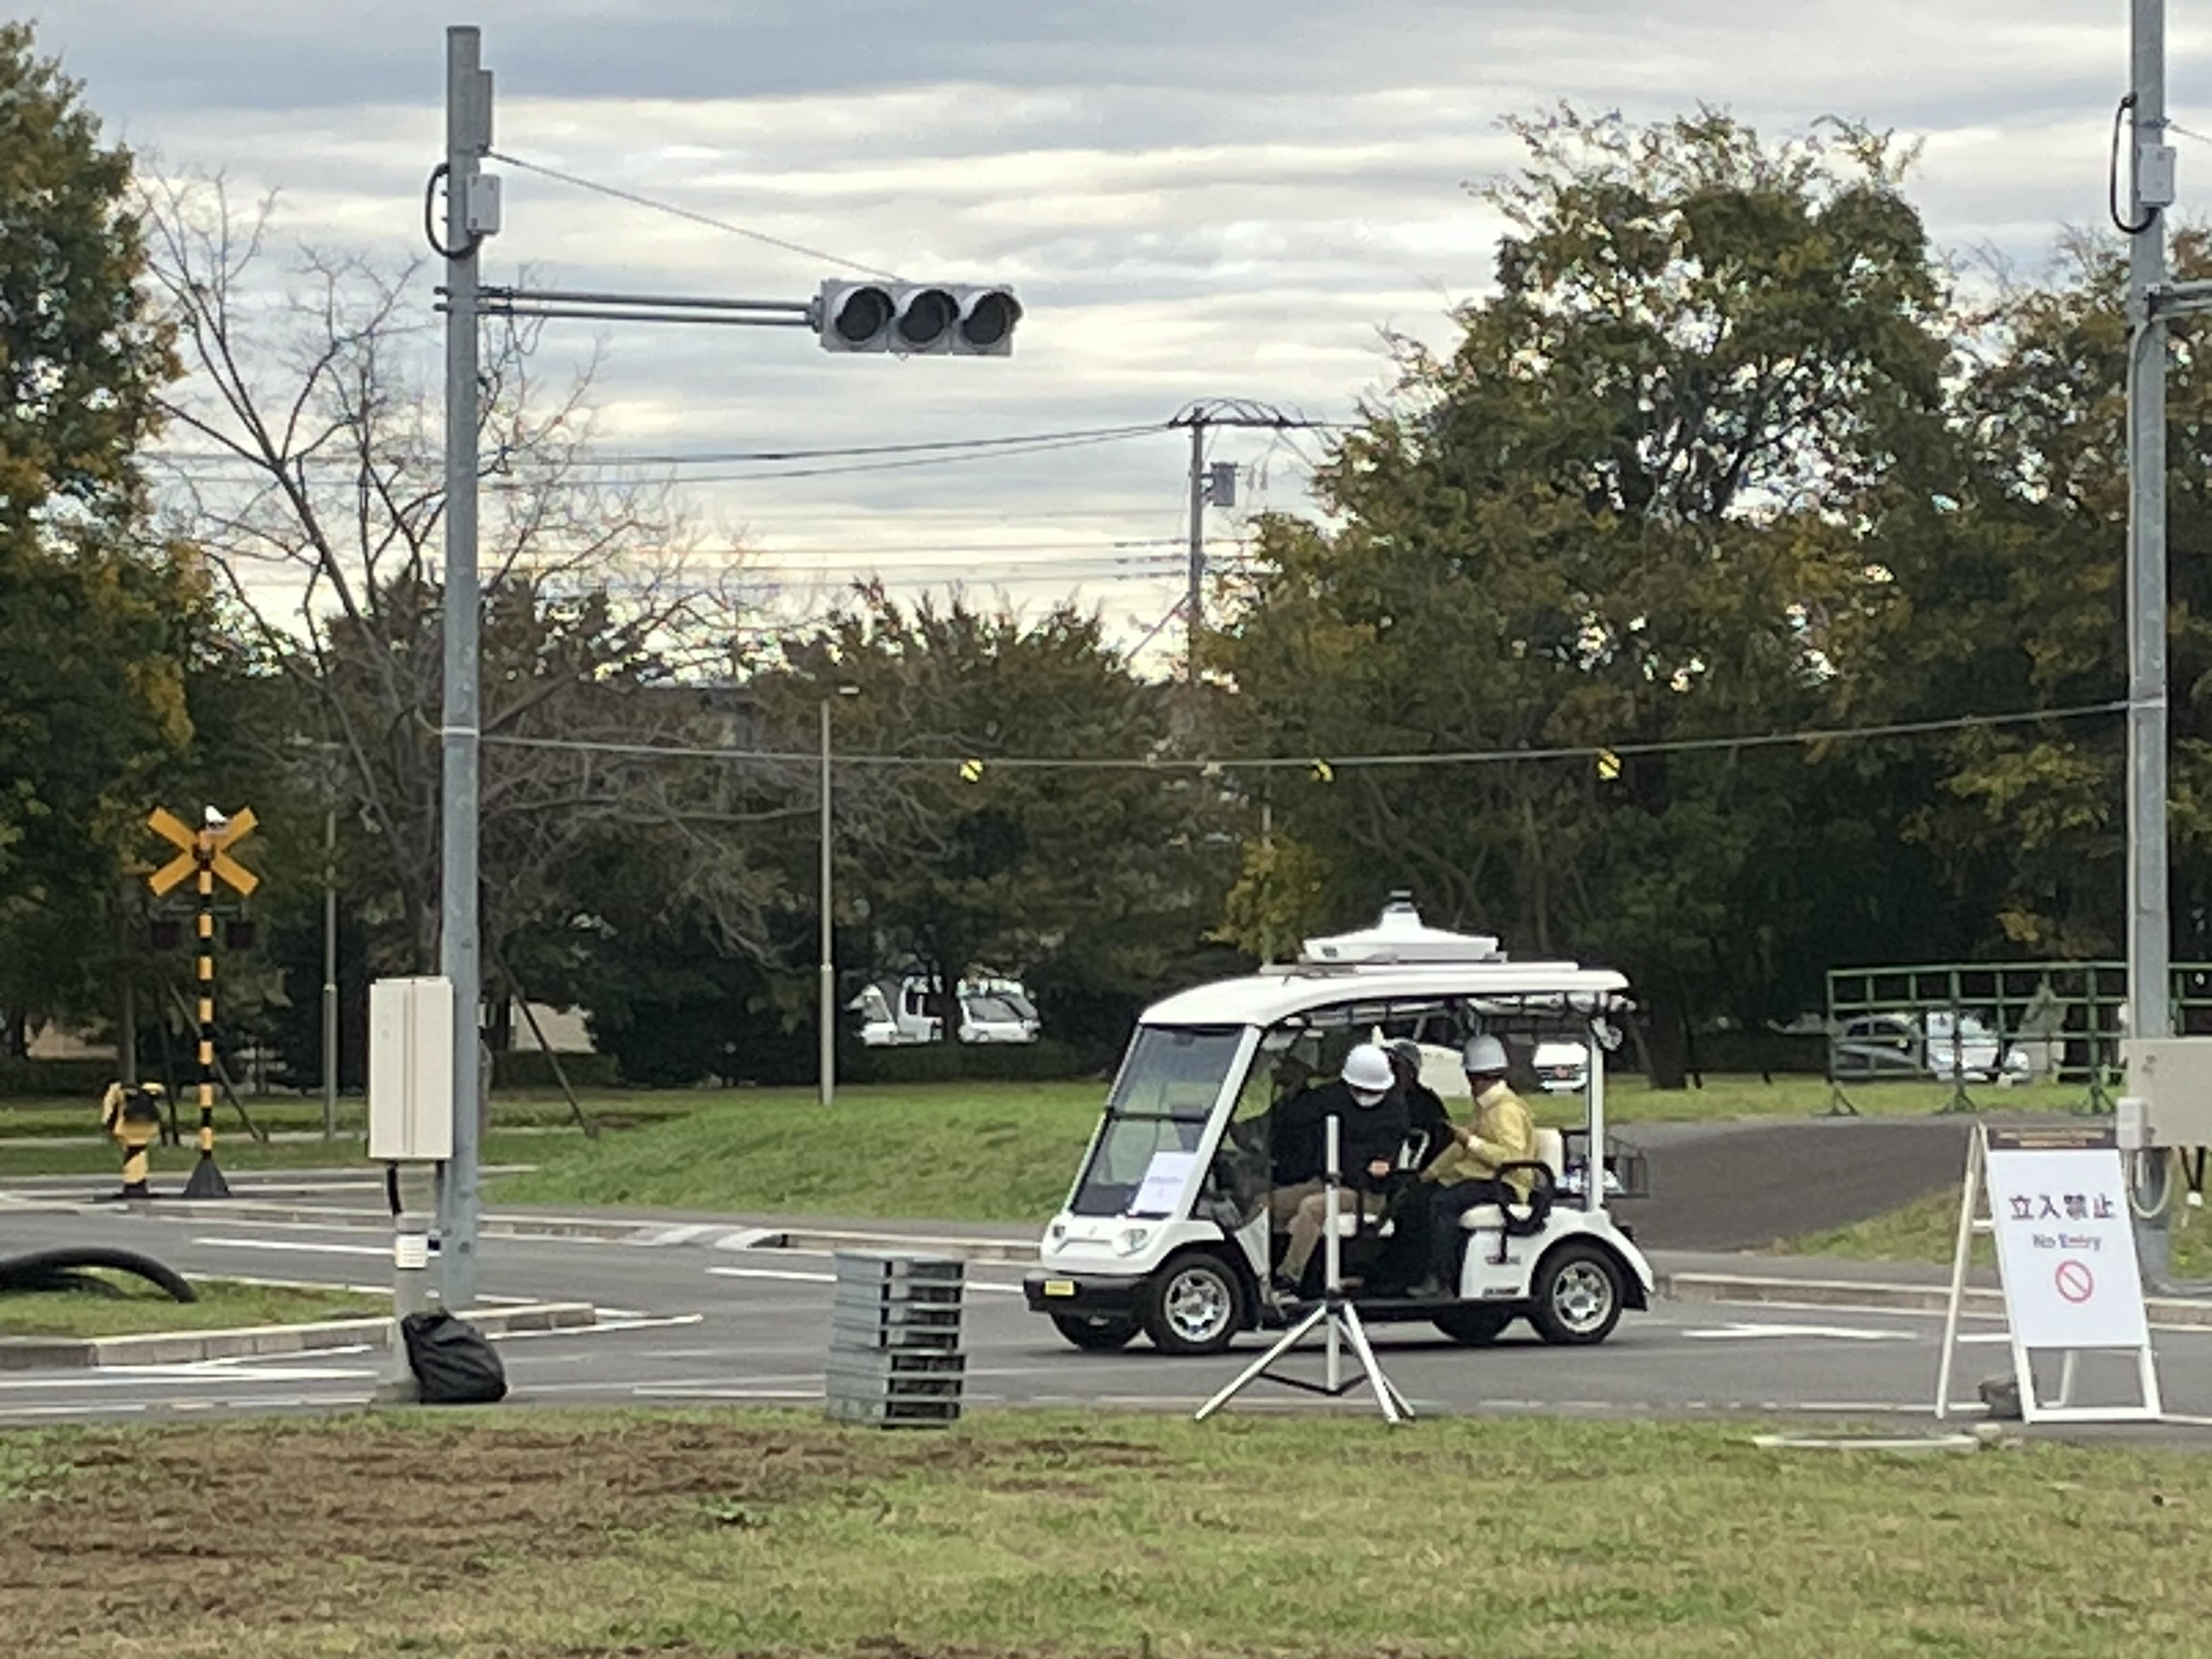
(1194, 1305)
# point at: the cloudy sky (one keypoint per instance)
(1195, 201)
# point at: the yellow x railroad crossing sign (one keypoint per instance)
(209, 847)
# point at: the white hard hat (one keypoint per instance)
(1482, 1056)
(1367, 1071)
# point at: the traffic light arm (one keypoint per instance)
(907, 318)
(640, 308)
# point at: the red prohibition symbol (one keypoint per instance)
(2075, 1283)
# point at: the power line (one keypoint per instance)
(746, 456)
(1002, 448)
(632, 197)
(1328, 763)
(727, 458)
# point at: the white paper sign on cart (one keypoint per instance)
(2057, 1206)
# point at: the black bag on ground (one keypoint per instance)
(453, 1363)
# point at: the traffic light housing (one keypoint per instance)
(943, 320)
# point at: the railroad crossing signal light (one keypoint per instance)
(917, 319)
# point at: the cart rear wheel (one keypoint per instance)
(1575, 1299)
(1095, 1333)
(1473, 1327)
(1192, 1305)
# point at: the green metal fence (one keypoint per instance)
(1977, 1024)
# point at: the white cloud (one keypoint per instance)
(1233, 199)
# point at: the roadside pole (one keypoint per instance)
(468, 137)
(1194, 600)
(2149, 926)
(330, 971)
(828, 1015)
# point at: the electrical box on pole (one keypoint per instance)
(1221, 484)
(411, 1071)
(917, 319)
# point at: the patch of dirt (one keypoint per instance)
(271, 1525)
(274, 1523)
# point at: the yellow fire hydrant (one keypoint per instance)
(133, 1116)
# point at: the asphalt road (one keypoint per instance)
(1742, 1186)
(690, 1322)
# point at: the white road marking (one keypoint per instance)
(73, 1411)
(800, 1277)
(603, 1326)
(678, 1391)
(302, 1247)
(682, 1235)
(1838, 1332)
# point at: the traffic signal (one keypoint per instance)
(917, 319)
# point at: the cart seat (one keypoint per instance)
(1552, 1148)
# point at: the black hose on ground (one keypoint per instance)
(48, 1270)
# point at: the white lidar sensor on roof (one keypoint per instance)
(1399, 936)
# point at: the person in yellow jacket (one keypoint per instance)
(133, 1116)
(1500, 1133)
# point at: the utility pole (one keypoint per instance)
(828, 1061)
(2149, 163)
(468, 137)
(1194, 604)
(1215, 486)
(828, 1015)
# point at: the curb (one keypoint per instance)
(186, 1348)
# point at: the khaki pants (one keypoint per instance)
(1304, 1207)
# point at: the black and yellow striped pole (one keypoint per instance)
(203, 855)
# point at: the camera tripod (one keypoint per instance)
(1338, 1320)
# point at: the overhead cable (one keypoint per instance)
(708, 220)
(1332, 762)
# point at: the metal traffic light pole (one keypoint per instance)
(469, 219)
(889, 315)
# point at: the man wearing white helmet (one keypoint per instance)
(1371, 1113)
(1500, 1133)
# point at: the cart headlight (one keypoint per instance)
(1132, 1240)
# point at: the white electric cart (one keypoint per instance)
(1168, 1229)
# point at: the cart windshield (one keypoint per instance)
(1147, 1147)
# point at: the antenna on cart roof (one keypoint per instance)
(1400, 936)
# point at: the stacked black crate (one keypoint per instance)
(894, 1355)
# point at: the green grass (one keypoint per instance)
(1629, 1099)
(46, 1115)
(684, 1536)
(1927, 1230)
(970, 1152)
(995, 1151)
(136, 1306)
(239, 1151)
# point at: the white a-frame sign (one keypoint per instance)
(2057, 1204)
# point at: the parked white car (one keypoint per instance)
(1925, 1045)
(1562, 1065)
(895, 1013)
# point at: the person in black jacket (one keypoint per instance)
(1370, 1111)
(1425, 1108)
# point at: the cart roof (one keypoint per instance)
(1263, 999)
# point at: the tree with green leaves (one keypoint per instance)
(1094, 877)
(1631, 511)
(95, 623)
